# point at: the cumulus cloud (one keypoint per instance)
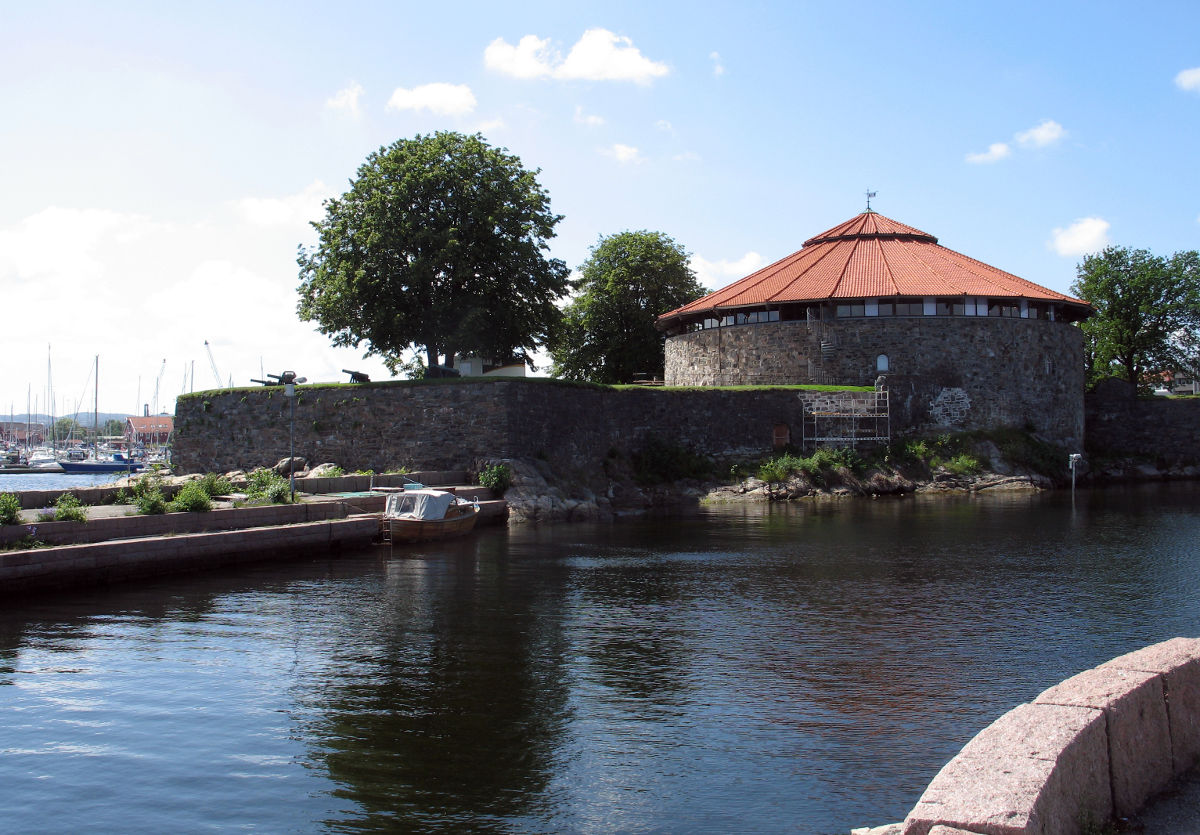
(589, 119)
(1088, 234)
(664, 125)
(1189, 80)
(300, 208)
(714, 274)
(439, 98)
(623, 153)
(1041, 135)
(346, 99)
(995, 152)
(718, 65)
(598, 55)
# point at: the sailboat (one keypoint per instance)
(119, 462)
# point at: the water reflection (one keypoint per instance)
(807, 667)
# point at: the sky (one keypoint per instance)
(161, 163)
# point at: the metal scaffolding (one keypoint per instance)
(863, 418)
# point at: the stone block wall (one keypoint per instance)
(957, 372)
(1164, 429)
(448, 425)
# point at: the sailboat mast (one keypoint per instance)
(96, 415)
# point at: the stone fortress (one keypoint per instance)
(959, 344)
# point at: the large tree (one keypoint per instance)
(607, 334)
(1142, 302)
(440, 243)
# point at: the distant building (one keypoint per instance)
(154, 430)
(962, 344)
(472, 366)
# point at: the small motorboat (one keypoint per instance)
(118, 464)
(423, 514)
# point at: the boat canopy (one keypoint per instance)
(418, 504)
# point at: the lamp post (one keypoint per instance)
(290, 381)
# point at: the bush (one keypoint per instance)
(150, 501)
(69, 509)
(496, 478)
(213, 485)
(10, 509)
(963, 464)
(193, 498)
(267, 486)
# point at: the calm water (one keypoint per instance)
(13, 482)
(803, 669)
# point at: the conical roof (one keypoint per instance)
(869, 256)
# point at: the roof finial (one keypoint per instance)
(870, 194)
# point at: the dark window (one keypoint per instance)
(910, 308)
(951, 307)
(856, 308)
(887, 308)
(1008, 309)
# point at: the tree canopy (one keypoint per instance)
(440, 243)
(1146, 305)
(607, 334)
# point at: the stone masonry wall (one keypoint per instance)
(1164, 429)
(448, 425)
(959, 372)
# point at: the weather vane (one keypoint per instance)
(870, 194)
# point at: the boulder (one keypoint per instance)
(286, 465)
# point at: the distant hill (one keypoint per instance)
(84, 418)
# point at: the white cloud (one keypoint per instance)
(589, 119)
(715, 274)
(1088, 234)
(687, 156)
(346, 99)
(439, 98)
(1189, 80)
(489, 125)
(718, 66)
(530, 58)
(300, 208)
(1039, 136)
(664, 125)
(995, 152)
(598, 55)
(623, 153)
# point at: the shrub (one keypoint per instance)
(150, 501)
(68, 509)
(268, 486)
(334, 472)
(10, 509)
(192, 498)
(774, 471)
(963, 464)
(213, 485)
(497, 478)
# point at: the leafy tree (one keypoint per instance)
(607, 334)
(440, 243)
(66, 427)
(112, 426)
(1142, 300)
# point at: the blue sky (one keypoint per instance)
(161, 161)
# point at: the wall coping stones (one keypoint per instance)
(1036, 769)
(1100, 743)
(1139, 738)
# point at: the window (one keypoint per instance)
(909, 307)
(881, 363)
(854, 308)
(951, 307)
(1007, 308)
(887, 308)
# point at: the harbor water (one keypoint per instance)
(803, 668)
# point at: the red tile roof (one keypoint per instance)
(152, 424)
(869, 256)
